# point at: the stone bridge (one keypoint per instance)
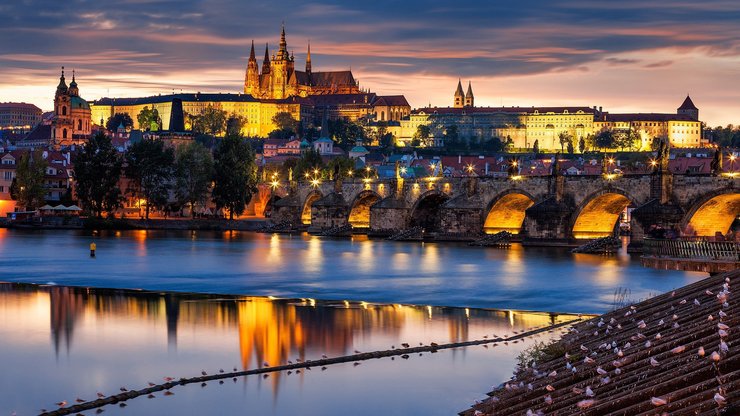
(541, 209)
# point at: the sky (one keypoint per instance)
(626, 55)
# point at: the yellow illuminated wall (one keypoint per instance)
(715, 215)
(507, 214)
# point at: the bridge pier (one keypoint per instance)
(288, 209)
(328, 212)
(548, 223)
(389, 215)
(460, 218)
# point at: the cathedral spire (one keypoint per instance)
(251, 53)
(266, 62)
(308, 58)
(469, 100)
(283, 51)
(459, 95)
(62, 83)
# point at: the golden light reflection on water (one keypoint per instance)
(512, 267)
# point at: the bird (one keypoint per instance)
(601, 371)
(265, 364)
(100, 395)
(710, 318)
(678, 349)
(203, 373)
(723, 347)
(405, 345)
(220, 370)
(589, 392)
(553, 374)
(122, 404)
(99, 411)
(168, 379)
(657, 401)
(79, 400)
(325, 357)
(62, 403)
(150, 396)
(719, 399)
(641, 324)
(701, 351)
(203, 384)
(715, 356)
(235, 370)
(658, 336)
(548, 400)
(585, 404)
(356, 364)
(648, 344)
(323, 368)
(696, 302)
(722, 326)
(290, 362)
(290, 372)
(654, 362)
(168, 393)
(549, 388)
(123, 389)
(150, 384)
(357, 352)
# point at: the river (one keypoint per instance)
(286, 297)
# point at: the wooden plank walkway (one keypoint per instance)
(677, 354)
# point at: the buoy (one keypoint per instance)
(92, 249)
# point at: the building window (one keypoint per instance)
(79, 124)
(64, 110)
(8, 176)
(64, 134)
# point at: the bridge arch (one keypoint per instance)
(312, 197)
(506, 211)
(426, 210)
(359, 211)
(715, 212)
(598, 214)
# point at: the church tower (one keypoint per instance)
(469, 100)
(308, 60)
(62, 126)
(280, 69)
(459, 96)
(252, 78)
(688, 108)
(266, 61)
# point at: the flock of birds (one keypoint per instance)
(598, 351)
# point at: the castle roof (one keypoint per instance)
(660, 117)
(325, 78)
(391, 100)
(185, 97)
(510, 110)
(687, 104)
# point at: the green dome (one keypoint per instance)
(78, 102)
(359, 149)
(305, 144)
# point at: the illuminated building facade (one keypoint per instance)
(19, 117)
(71, 123)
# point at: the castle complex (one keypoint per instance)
(527, 125)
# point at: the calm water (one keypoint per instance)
(542, 279)
(61, 342)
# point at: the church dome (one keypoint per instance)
(79, 102)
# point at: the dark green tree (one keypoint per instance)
(235, 175)
(211, 121)
(149, 119)
(193, 172)
(98, 168)
(285, 121)
(310, 160)
(149, 167)
(655, 143)
(422, 134)
(116, 120)
(565, 138)
(235, 124)
(536, 147)
(582, 144)
(28, 185)
(605, 140)
(571, 149)
(339, 167)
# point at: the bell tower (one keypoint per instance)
(469, 100)
(252, 78)
(459, 96)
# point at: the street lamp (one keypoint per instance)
(732, 162)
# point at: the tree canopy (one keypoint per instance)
(235, 175)
(98, 167)
(149, 119)
(149, 166)
(193, 173)
(118, 119)
(28, 185)
(211, 121)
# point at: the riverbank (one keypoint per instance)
(75, 223)
(673, 353)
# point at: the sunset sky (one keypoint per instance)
(625, 55)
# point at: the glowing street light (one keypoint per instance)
(315, 183)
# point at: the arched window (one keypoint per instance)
(64, 134)
(382, 116)
(79, 124)
(64, 110)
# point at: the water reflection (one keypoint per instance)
(110, 324)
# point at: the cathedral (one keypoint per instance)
(278, 78)
(71, 123)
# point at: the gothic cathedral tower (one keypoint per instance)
(469, 100)
(252, 78)
(459, 96)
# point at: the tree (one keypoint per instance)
(508, 144)
(422, 134)
(118, 119)
(571, 149)
(655, 143)
(582, 144)
(310, 160)
(235, 175)
(339, 167)
(536, 147)
(345, 133)
(149, 120)
(194, 170)
(149, 166)
(604, 140)
(235, 124)
(211, 121)
(565, 138)
(494, 145)
(98, 168)
(28, 185)
(285, 121)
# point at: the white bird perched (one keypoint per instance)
(605, 380)
(679, 349)
(549, 388)
(722, 333)
(675, 317)
(627, 345)
(585, 404)
(553, 373)
(577, 390)
(614, 344)
(588, 360)
(715, 356)
(584, 348)
(620, 354)
(567, 356)
(725, 305)
(682, 302)
(589, 392)
(648, 344)
(573, 370)
(722, 326)
(675, 325)
(710, 317)
(723, 347)
(601, 371)
(548, 400)
(709, 292)
(628, 313)
(658, 336)
(619, 326)
(641, 324)
(612, 321)
(568, 366)
(633, 307)
(661, 322)
(657, 401)
(617, 371)
(701, 351)
(654, 362)
(722, 314)
(530, 386)
(478, 413)
(719, 399)
(673, 293)
(596, 333)
(696, 302)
